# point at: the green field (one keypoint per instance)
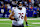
(32, 22)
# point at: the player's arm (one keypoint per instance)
(11, 16)
(25, 18)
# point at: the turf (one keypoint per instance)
(8, 23)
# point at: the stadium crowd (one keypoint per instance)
(32, 6)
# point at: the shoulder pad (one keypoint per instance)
(14, 7)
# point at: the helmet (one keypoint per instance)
(19, 4)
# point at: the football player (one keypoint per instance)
(18, 15)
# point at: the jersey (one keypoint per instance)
(20, 14)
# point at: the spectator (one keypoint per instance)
(8, 6)
(35, 14)
(14, 3)
(39, 11)
(5, 7)
(35, 3)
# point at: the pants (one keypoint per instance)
(18, 26)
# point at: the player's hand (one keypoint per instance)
(16, 19)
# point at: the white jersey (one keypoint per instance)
(20, 14)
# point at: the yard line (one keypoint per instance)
(28, 25)
(38, 26)
(27, 19)
(4, 23)
(36, 23)
(33, 19)
(4, 19)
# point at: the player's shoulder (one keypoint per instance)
(13, 8)
(24, 8)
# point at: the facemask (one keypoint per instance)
(20, 6)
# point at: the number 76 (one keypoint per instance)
(21, 15)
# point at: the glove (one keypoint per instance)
(16, 19)
(26, 24)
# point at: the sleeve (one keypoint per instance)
(25, 10)
(12, 10)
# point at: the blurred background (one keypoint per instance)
(32, 12)
(32, 7)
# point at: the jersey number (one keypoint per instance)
(21, 15)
